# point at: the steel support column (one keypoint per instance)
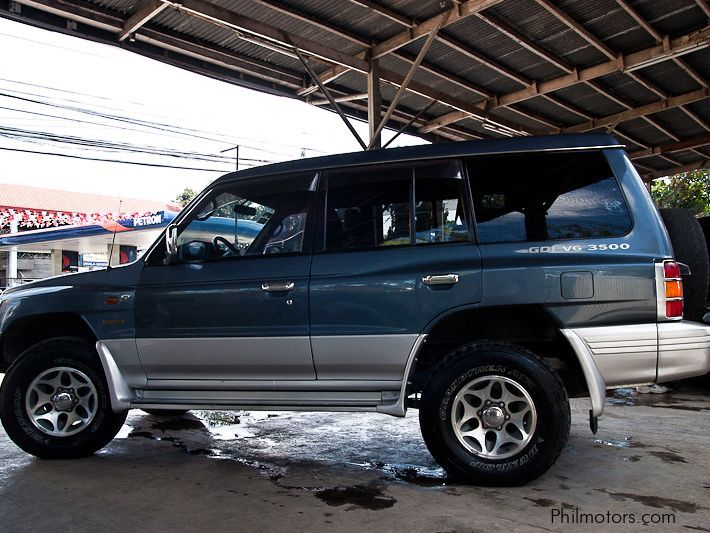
(374, 103)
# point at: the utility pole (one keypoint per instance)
(236, 148)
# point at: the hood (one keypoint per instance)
(120, 276)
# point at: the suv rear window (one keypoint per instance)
(545, 196)
(395, 205)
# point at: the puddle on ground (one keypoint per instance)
(175, 442)
(666, 454)
(178, 423)
(425, 476)
(370, 497)
(246, 437)
(629, 396)
(542, 502)
(668, 457)
(614, 443)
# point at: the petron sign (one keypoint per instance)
(152, 219)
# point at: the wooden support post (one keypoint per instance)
(374, 103)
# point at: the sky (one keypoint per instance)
(84, 86)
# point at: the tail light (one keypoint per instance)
(669, 291)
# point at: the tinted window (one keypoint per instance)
(440, 209)
(251, 217)
(540, 196)
(394, 205)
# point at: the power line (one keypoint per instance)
(110, 160)
(185, 131)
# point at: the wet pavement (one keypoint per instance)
(285, 471)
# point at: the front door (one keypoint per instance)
(233, 305)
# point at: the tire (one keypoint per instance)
(60, 379)
(690, 248)
(533, 398)
(165, 412)
(705, 225)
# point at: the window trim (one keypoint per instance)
(320, 231)
(155, 255)
(613, 175)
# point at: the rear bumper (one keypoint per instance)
(683, 350)
(615, 356)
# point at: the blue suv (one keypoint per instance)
(483, 283)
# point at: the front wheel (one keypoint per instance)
(494, 414)
(54, 401)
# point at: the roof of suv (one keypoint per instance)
(432, 151)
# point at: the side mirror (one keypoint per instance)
(170, 244)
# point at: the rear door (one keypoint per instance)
(396, 251)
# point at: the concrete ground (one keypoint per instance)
(242, 471)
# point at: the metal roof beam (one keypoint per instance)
(304, 17)
(222, 57)
(640, 20)
(687, 144)
(96, 17)
(477, 56)
(578, 28)
(690, 167)
(289, 41)
(459, 11)
(677, 60)
(339, 99)
(627, 105)
(524, 41)
(690, 71)
(666, 103)
(695, 117)
(652, 55)
(332, 102)
(147, 10)
(407, 79)
(704, 6)
(385, 12)
(450, 132)
(657, 53)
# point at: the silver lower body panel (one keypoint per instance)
(638, 354)
(683, 350)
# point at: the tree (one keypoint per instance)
(689, 190)
(185, 196)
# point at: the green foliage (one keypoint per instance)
(689, 190)
(185, 196)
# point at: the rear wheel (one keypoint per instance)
(689, 247)
(494, 414)
(54, 401)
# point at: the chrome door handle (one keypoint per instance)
(278, 286)
(445, 279)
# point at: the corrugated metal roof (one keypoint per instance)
(24, 197)
(521, 36)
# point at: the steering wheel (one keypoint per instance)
(223, 247)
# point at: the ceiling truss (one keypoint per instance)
(496, 114)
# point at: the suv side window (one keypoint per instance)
(542, 196)
(247, 218)
(395, 205)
